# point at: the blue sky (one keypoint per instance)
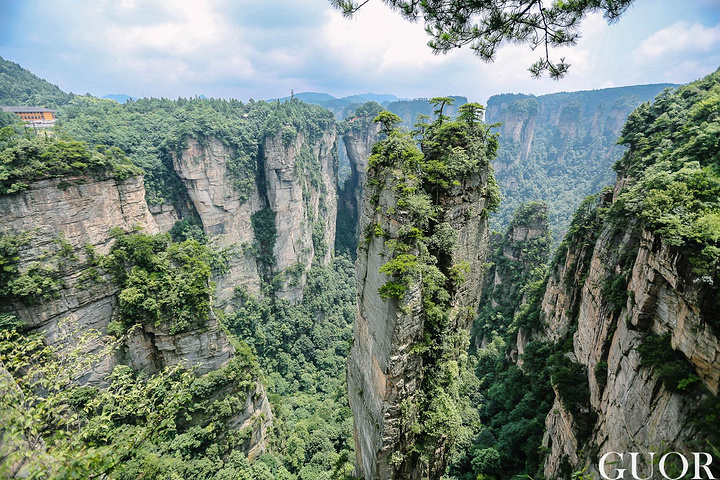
(266, 48)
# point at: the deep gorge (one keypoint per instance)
(203, 263)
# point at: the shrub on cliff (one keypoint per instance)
(25, 158)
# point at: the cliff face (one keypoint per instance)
(413, 314)
(518, 258)
(636, 411)
(635, 290)
(65, 230)
(60, 224)
(296, 182)
(203, 170)
(559, 148)
(301, 181)
(358, 144)
(358, 141)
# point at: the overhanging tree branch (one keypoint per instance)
(486, 25)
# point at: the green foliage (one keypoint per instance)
(263, 223)
(10, 244)
(678, 375)
(161, 281)
(511, 406)
(20, 87)
(422, 181)
(388, 121)
(674, 163)
(670, 365)
(520, 267)
(153, 131)
(614, 291)
(169, 425)
(601, 373)
(188, 229)
(34, 282)
(303, 349)
(568, 158)
(359, 121)
(32, 157)
(8, 119)
(487, 26)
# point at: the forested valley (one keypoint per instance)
(189, 287)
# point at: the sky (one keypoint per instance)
(267, 48)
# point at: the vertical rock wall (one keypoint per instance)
(301, 181)
(81, 215)
(386, 361)
(298, 181)
(202, 169)
(62, 227)
(633, 410)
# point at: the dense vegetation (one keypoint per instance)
(168, 425)
(173, 424)
(163, 426)
(508, 402)
(674, 169)
(516, 264)
(670, 172)
(20, 87)
(420, 256)
(504, 406)
(28, 157)
(162, 282)
(302, 349)
(573, 147)
(151, 131)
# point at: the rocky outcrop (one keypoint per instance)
(358, 143)
(62, 225)
(389, 365)
(225, 218)
(634, 410)
(165, 216)
(151, 348)
(301, 181)
(360, 136)
(559, 148)
(296, 181)
(64, 230)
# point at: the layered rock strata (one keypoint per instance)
(296, 180)
(631, 409)
(388, 363)
(65, 230)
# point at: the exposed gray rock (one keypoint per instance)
(165, 216)
(227, 220)
(62, 226)
(301, 181)
(635, 412)
(384, 367)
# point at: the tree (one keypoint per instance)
(487, 25)
(388, 121)
(439, 103)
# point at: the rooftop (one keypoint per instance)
(26, 109)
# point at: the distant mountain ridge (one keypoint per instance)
(120, 97)
(20, 87)
(341, 107)
(558, 148)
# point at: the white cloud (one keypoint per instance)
(678, 39)
(264, 48)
